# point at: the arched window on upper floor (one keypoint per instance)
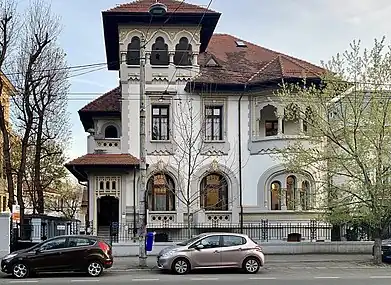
(159, 54)
(214, 192)
(133, 53)
(275, 195)
(111, 132)
(183, 52)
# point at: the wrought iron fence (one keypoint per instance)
(264, 231)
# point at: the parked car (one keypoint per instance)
(63, 253)
(385, 250)
(213, 250)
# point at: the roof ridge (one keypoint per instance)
(262, 69)
(269, 50)
(293, 60)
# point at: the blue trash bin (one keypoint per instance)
(149, 241)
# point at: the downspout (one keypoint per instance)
(87, 218)
(134, 203)
(240, 157)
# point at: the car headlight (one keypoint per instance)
(9, 256)
(169, 253)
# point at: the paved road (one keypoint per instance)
(309, 260)
(277, 276)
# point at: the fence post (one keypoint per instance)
(313, 230)
(265, 229)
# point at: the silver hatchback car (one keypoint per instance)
(213, 250)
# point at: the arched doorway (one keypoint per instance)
(108, 211)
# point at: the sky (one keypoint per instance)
(311, 30)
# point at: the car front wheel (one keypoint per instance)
(94, 269)
(181, 266)
(20, 271)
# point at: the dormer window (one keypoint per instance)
(133, 53)
(159, 54)
(241, 44)
(111, 132)
(183, 52)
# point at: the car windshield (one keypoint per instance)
(189, 241)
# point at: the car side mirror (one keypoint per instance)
(199, 246)
(38, 250)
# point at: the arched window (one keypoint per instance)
(275, 196)
(290, 192)
(101, 185)
(111, 132)
(183, 52)
(308, 119)
(214, 192)
(161, 193)
(133, 53)
(159, 54)
(304, 195)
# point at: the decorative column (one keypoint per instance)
(283, 199)
(171, 55)
(301, 126)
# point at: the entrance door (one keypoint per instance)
(108, 211)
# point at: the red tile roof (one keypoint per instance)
(108, 102)
(142, 6)
(94, 159)
(253, 63)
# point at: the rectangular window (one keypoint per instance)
(271, 128)
(214, 123)
(4, 206)
(160, 123)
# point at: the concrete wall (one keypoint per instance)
(5, 234)
(351, 247)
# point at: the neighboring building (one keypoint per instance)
(231, 83)
(6, 93)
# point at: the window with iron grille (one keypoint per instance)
(160, 123)
(214, 123)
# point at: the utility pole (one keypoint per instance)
(143, 163)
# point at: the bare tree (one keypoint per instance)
(189, 154)
(28, 48)
(66, 200)
(8, 35)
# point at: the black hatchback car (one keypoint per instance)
(63, 253)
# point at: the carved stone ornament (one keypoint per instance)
(214, 166)
(160, 165)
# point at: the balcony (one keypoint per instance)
(108, 145)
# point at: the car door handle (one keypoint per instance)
(216, 251)
(240, 249)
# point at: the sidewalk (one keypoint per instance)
(310, 260)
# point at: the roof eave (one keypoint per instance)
(86, 117)
(111, 20)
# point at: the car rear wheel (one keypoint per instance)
(251, 265)
(94, 269)
(181, 266)
(20, 271)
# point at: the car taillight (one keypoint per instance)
(104, 247)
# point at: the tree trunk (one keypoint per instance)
(188, 222)
(37, 167)
(377, 254)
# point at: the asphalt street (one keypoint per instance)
(276, 276)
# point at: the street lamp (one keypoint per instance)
(157, 9)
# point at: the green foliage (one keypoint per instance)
(348, 135)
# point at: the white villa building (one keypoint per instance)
(229, 84)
